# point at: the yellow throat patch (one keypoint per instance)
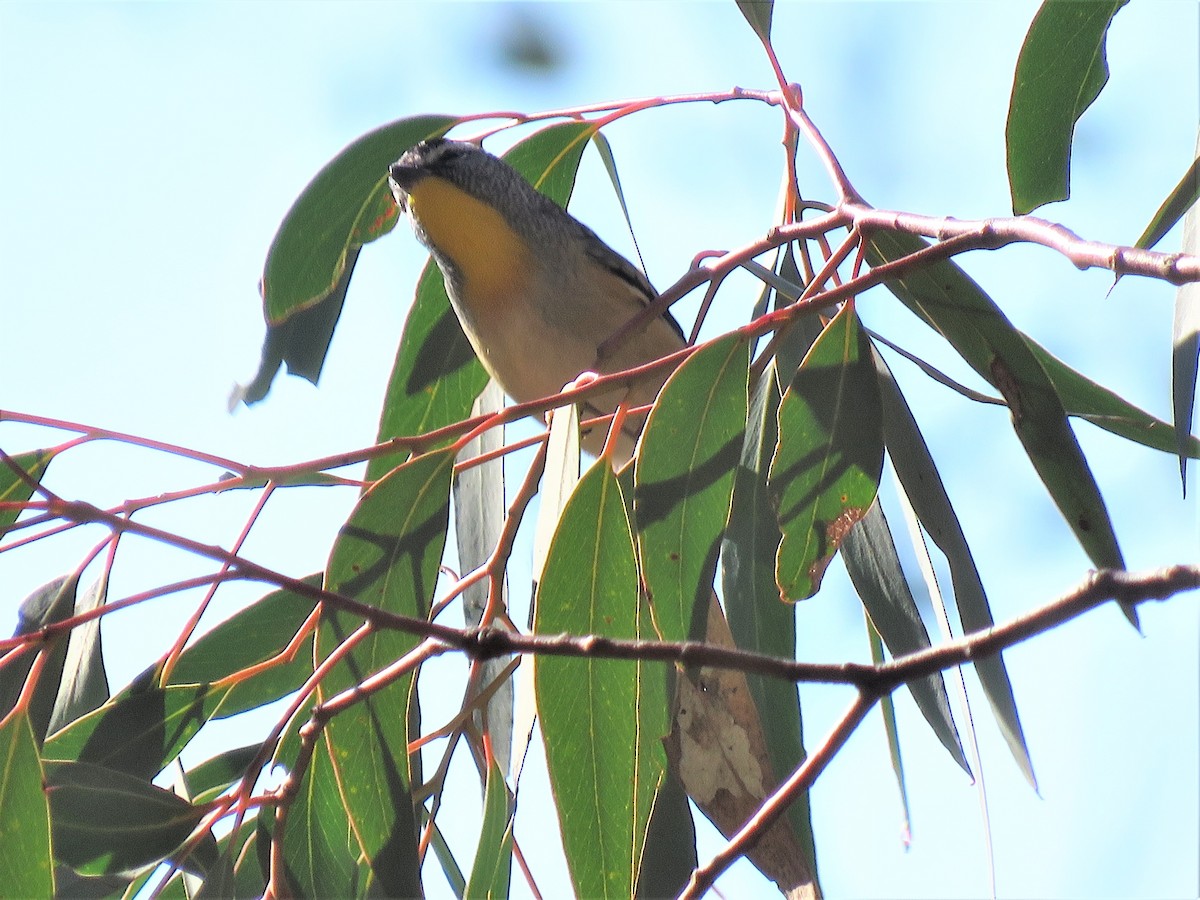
(492, 259)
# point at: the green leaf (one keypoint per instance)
(84, 684)
(602, 720)
(758, 14)
(215, 775)
(345, 204)
(386, 555)
(138, 731)
(1088, 400)
(610, 166)
(319, 849)
(312, 256)
(887, 708)
(683, 480)
(826, 468)
(436, 376)
(1060, 72)
(1178, 202)
(105, 822)
(493, 860)
(669, 855)
(1185, 347)
(51, 603)
(875, 572)
(1081, 397)
(549, 159)
(956, 307)
(921, 483)
(253, 635)
(757, 619)
(445, 856)
(14, 488)
(24, 813)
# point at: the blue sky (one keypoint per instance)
(152, 148)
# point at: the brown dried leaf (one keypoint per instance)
(717, 750)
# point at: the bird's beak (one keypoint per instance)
(401, 179)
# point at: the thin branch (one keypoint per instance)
(991, 234)
(1097, 589)
(781, 798)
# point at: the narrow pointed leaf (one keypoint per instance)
(1088, 400)
(683, 480)
(1178, 202)
(84, 684)
(758, 14)
(921, 483)
(1185, 347)
(106, 822)
(24, 813)
(955, 306)
(874, 568)
(826, 469)
(887, 708)
(1060, 72)
(602, 720)
(493, 860)
(478, 523)
(52, 602)
(14, 488)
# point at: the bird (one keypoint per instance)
(536, 291)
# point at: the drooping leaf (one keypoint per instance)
(717, 749)
(921, 483)
(683, 479)
(1060, 72)
(345, 204)
(24, 814)
(887, 708)
(1178, 202)
(1185, 346)
(757, 620)
(84, 683)
(312, 256)
(493, 860)
(478, 523)
(107, 822)
(445, 857)
(875, 572)
(1088, 400)
(758, 14)
(51, 603)
(610, 166)
(14, 488)
(386, 555)
(826, 468)
(602, 720)
(951, 303)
